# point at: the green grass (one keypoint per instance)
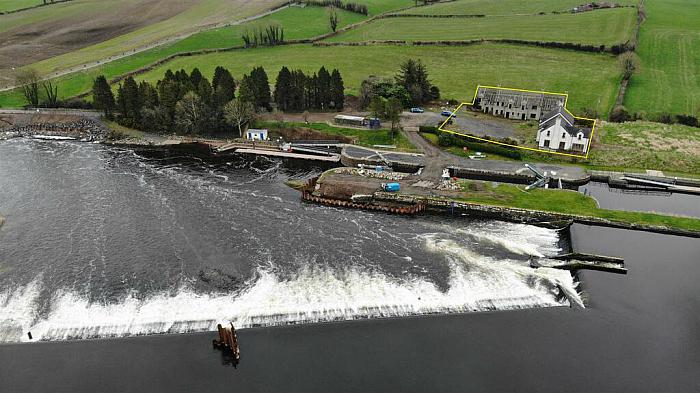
(648, 145)
(315, 24)
(502, 7)
(605, 27)
(456, 71)
(362, 137)
(11, 5)
(565, 202)
(669, 49)
(379, 6)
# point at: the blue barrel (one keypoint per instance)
(392, 187)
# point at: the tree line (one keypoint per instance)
(351, 7)
(191, 104)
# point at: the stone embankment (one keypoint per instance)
(83, 129)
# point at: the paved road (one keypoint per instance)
(465, 121)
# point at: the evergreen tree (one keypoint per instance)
(148, 95)
(102, 96)
(129, 103)
(323, 89)
(204, 91)
(261, 88)
(224, 87)
(413, 77)
(195, 77)
(337, 90)
(283, 90)
(247, 90)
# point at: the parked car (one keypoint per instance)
(446, 113)
(417, 110)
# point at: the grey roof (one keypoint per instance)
(560, 111)
(568, 125)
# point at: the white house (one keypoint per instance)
(256, 134)
(558, 132)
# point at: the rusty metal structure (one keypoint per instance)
(228, 342)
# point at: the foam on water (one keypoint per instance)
(315, 293)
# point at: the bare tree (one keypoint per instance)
(51, 93)
(333, 19)
(28, 81)
(239, 113)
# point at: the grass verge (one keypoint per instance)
(565, 202)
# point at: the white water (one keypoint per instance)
(313, 294)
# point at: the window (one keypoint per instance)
(579, 136)
(532, 115)
(563, 134)
(534, 107)
(547, 133)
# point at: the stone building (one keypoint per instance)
(515, 104)
(557, 131)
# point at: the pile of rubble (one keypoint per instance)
(83, 129)
(373, 173)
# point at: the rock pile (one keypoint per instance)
(83, 129)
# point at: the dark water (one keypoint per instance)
(108, 242)
(644, 201)
(640, 333)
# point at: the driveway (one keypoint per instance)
(467, 121)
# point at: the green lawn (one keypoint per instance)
(456, 71)
(11, 5)
(563, 201)
(604, 27)
(362, 137)
(502, 7)
(315, 24)
(669, 49)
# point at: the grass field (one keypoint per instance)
(563, 201)
(315, 24)
(502, 7)
(648, 145)
(606, 27)
(457, 71)
(11, 5)
(379, 6)
(669, 49)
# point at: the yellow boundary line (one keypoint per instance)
(566, 100)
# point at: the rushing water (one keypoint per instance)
(103, 241)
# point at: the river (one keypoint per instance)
(66, 202)
(108, 242)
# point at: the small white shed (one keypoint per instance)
(254, 134)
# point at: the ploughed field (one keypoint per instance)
(64, 35)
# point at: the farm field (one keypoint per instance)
(669, 49)
(379, 6)
(502, 7)
(604, 27)
(77, 32)
(456, 72)
(316, 24)
(647, 145)
(11, 5)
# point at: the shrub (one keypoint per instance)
(619, 114)
(448, 140)
(428, 129)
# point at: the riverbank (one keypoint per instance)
(501, 201)
(632, 322)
